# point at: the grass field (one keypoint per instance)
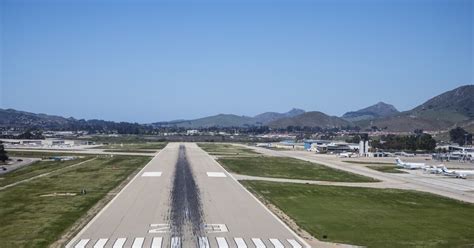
(386, 169)
(226, 149)
(40, 154)
(35, 169)
(135, 146)
(32, 216)
(284, 167)
(373, 217)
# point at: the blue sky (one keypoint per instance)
(147, 61)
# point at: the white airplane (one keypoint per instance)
(458, 173)
(434, 169)
(410, 166)
(346, 155)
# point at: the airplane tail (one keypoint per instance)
(399, 161)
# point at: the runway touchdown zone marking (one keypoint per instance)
(216, 174)
(152, 174)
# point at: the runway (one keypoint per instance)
(184, 198)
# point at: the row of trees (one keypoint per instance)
(460, 136)
(3, 153)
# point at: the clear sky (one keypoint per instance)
(148, 61)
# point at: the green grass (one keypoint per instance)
(41, 154)
(135, 146)
(29, 220)
(35, 169)
(386, 169)
(226, 149)
(284, 167)
(373, 217)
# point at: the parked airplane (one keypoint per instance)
(458, 173)
(346, 154)
(411, 166)
(434, 169)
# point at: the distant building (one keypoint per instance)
(192, 132)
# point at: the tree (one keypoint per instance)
(3, 153)
(460, 136)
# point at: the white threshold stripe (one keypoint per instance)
(82, 243)
(240, 243)
(157, 242)
(152, 174)
(119, 243)
(294, 243)
(221, 242)
(100, 243)
(258, 243)
(138, 242)
(175, 242)
(203, 242)
(276, 243)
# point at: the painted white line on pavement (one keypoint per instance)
(152, 174)
(82, 243)
(100, 243)
(294, 243)
(175, 242)
(119, 243)
(203, 242)
(221, 242)
(258, 243)
(240, 243)
(277, 243)
(157, 242)
(216, 174)
(138, 242)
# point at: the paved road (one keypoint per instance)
(459, 189)
(17, 164)
(184, 198)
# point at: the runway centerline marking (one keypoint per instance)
(216, 174)
(152, 174)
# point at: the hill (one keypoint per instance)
(310, 119)
(378, 110)
(231, 120)
(273, 116)
(10, 118)
(441, 112)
